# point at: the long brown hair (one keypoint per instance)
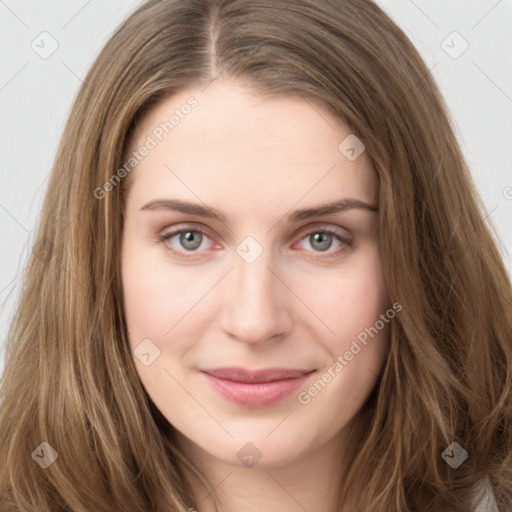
(69, 378)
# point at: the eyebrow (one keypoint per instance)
(298, 215)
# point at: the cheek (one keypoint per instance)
(148, 301)
(151, 308)
(159, 299)
(143, 303)
(352, 305)
(352, 298)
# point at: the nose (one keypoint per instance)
(255, 303)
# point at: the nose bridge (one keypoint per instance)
(255, 308)
(253, 279)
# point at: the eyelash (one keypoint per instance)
(346, 244)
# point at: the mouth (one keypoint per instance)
(256, 388)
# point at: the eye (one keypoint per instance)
(322, 240)
(186, 241)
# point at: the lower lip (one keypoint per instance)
(256, 395)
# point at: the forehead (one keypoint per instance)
(227, 140)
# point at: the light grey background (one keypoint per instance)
(36, 94)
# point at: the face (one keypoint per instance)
(231, 265)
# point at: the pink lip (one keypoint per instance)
(256, 388)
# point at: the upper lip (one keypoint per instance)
(256, 376)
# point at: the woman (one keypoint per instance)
(263, 280)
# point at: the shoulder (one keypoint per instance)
(488, 501)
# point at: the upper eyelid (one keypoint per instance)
(191, 226)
